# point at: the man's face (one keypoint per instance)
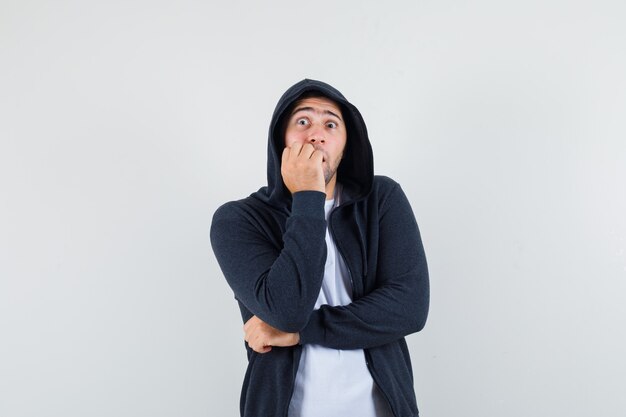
(318, 121)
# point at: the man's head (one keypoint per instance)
(348, 159)
(317, 120)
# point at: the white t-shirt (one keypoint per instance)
(333, 382)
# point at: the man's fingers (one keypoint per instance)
(296, 147)
(257, 343)
(260, 349)
(307, 151)
(260, 336)
(301, 150)
(317, 156)
(254, 335)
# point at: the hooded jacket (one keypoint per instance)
(271, 248)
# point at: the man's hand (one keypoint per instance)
(301, 168)
(261, 336)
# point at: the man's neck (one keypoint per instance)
(330, 188)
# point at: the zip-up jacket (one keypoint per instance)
(271, 248)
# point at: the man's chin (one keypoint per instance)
(329, 173)
(329, 177)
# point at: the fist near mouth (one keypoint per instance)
(301, 168)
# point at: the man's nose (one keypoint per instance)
(316, 135)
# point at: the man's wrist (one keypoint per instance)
(308, 203)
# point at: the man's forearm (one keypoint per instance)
(278, 285)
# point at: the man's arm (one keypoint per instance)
(278, 284)
(398, 305)
(261, 336)
(396, 308)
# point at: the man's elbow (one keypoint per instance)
(419, 322)
(290, 321)
(421, 303)
(419, 316)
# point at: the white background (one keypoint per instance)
(125, 124)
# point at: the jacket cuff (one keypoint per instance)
(308, 203)
(313, 332)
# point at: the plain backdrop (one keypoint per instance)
(125, 124)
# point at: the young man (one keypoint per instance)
(328, 268)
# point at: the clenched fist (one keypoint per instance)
(261, 336)
(301, 168)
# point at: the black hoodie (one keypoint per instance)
(271, 248)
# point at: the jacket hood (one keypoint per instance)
(356, 170)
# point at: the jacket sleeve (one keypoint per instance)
(278, 284)
(398, 305)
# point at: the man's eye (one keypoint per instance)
(331, 125)
(302, 122)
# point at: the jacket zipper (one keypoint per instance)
(332, 233)
(374, 377)
(366, 352)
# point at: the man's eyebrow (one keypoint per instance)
(299, 109)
